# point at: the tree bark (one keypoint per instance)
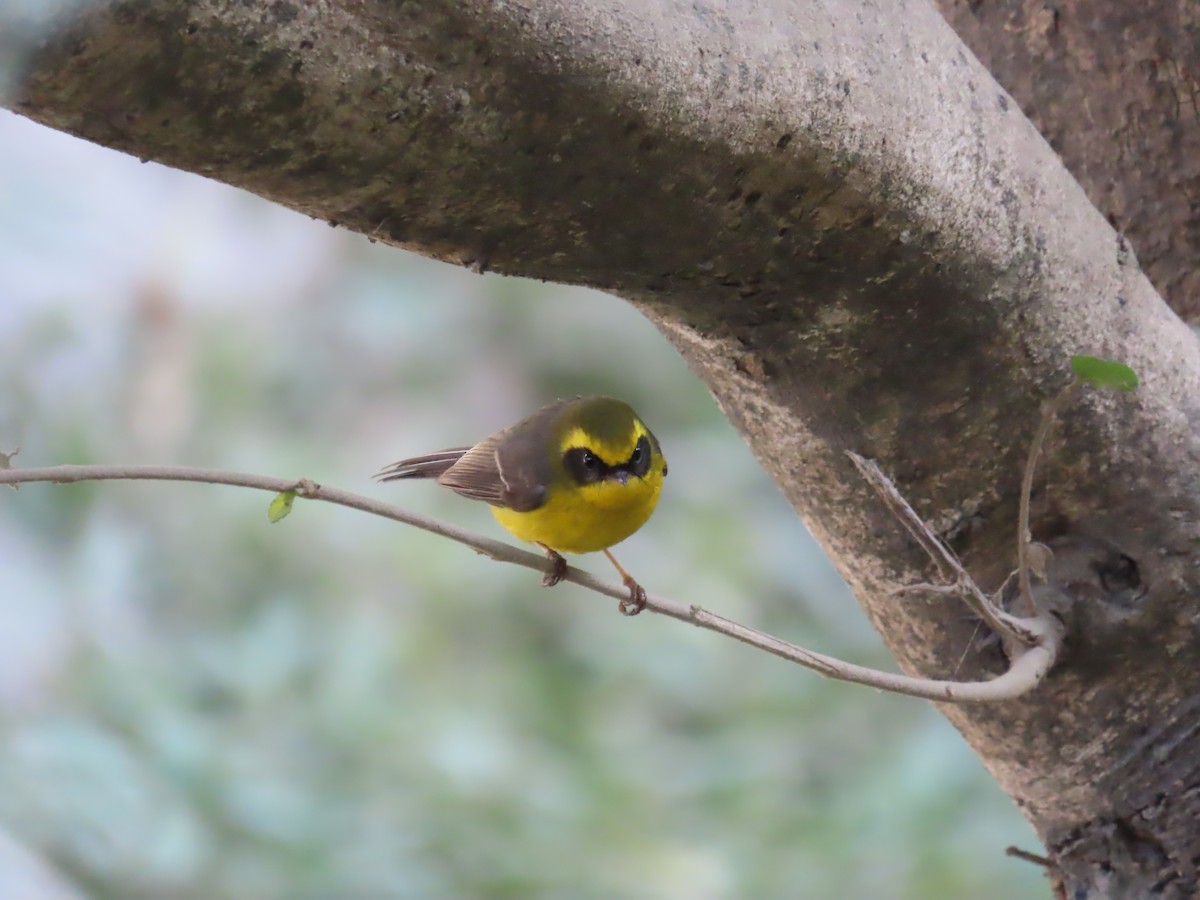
(1115, 88)
(857, 241)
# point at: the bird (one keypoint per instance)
(577, 476)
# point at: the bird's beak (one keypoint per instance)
(621, 476)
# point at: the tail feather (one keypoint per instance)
(429, 466)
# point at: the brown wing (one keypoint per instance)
(496, 472)
(512, 467)
(429, 466)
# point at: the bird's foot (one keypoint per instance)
(558, 567)
(636, 601)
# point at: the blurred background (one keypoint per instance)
(195, 703)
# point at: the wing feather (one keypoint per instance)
(476, 475)
(490, 471)
(431, 465)
(510, 469)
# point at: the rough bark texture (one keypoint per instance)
(1115, 88)
(852, 234)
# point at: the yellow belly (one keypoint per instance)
(588, 518)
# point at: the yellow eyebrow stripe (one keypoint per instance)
(611, 454)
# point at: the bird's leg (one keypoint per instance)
(637, 594)
(558, 567)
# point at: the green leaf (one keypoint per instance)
(280, 506)
(1104, 373)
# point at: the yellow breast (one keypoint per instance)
(587, 518)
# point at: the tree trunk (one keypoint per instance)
(1115, 89)
(858, 242)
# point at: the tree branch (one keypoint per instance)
(963, 584)
(1026, 671)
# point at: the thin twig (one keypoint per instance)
(1024, 674)
(966, 650)
(1000, 621)
(1036, 858)
(1049, 414)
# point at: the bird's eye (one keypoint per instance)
(639, 460)
(584, 465)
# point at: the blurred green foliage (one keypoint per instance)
(195, 703)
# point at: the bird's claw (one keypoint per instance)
(635, 602)
(558, 569)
